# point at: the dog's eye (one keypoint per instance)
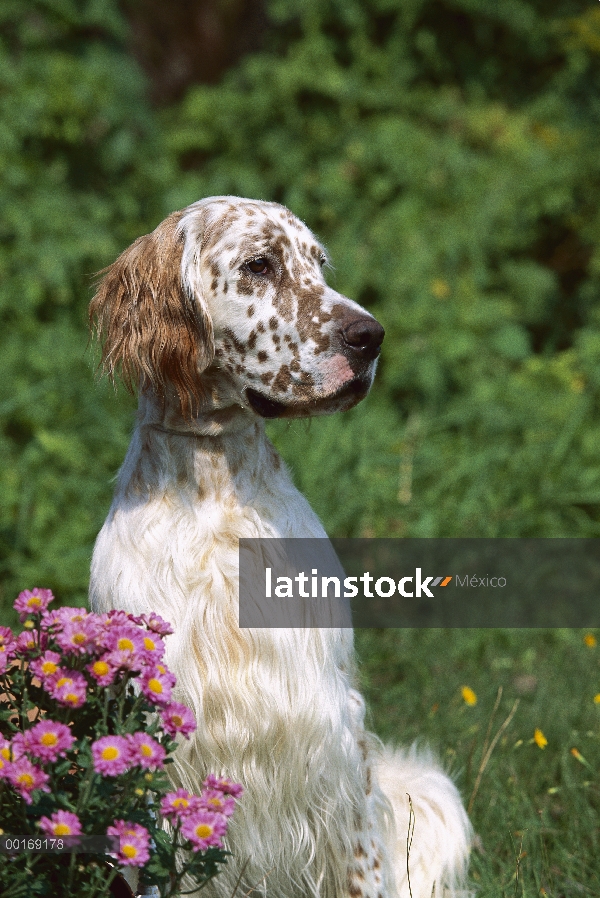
(258, 266)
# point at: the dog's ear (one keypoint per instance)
(152, 332)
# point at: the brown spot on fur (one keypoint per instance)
(267, 377)
(244, 287)
(250, 311)
(252, 339)
(240, 347)
(282, 380)
(359, 851)
(311, 316)
(273, 323)
(262, 356)
(260, 327)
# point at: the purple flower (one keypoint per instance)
(204, 829)
(102, 670)
(32, 601)
(181, 803)
(145, 751)
(61, 823)
(68, 687)
(221, 784)
(157, 683)
(25, 777)
(48, 740)
(7, 642)
(177, 718)
(125, 646)
(156, 623)
(46, 666)
(78, 637)
(112, 755)
(5, 756)
(27, 642)
(133, 843)
(215, 801)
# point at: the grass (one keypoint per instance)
(536, 811)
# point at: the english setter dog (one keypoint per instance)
(222, 318)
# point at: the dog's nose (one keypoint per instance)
(364, 336)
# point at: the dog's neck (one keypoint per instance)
(218, 414)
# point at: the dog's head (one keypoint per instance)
(233, 290)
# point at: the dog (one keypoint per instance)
(222, 318)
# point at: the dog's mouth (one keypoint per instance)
(347, 396)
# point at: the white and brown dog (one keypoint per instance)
(222, 318)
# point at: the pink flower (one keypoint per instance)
(223, 785)
(133, 843)
(78, 637)
(102, 670)
(154, 646)
(17, 747)
(27, 641)
(112, 755)
(125, 645)
(61, 823)
(71, 696)
(156, 623)
(25, 777)
(145, 751)
(46, 666)
(181, 803)
(34, 601)
(48, 740)
(7, 641)
(5, 756)
(157, 683)
(68, 687)
(177, 718)
(217, 802)
(204, 829)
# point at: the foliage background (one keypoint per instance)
(446, 153)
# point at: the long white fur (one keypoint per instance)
(325, 810)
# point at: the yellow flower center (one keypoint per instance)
(215, 801)
(34, 602)
(177, 720)
(63, 681)
(146, 750)
(155, 685)
(79, 638)
(129, 851)
(110, 753)
(180, 803)
(100, 668)
(203, 830)
(5, 752)
(71, 698)
(125, 643)
(49, 739)
(62, 829)
(149, 643)
(49, 667)
(26, 779)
